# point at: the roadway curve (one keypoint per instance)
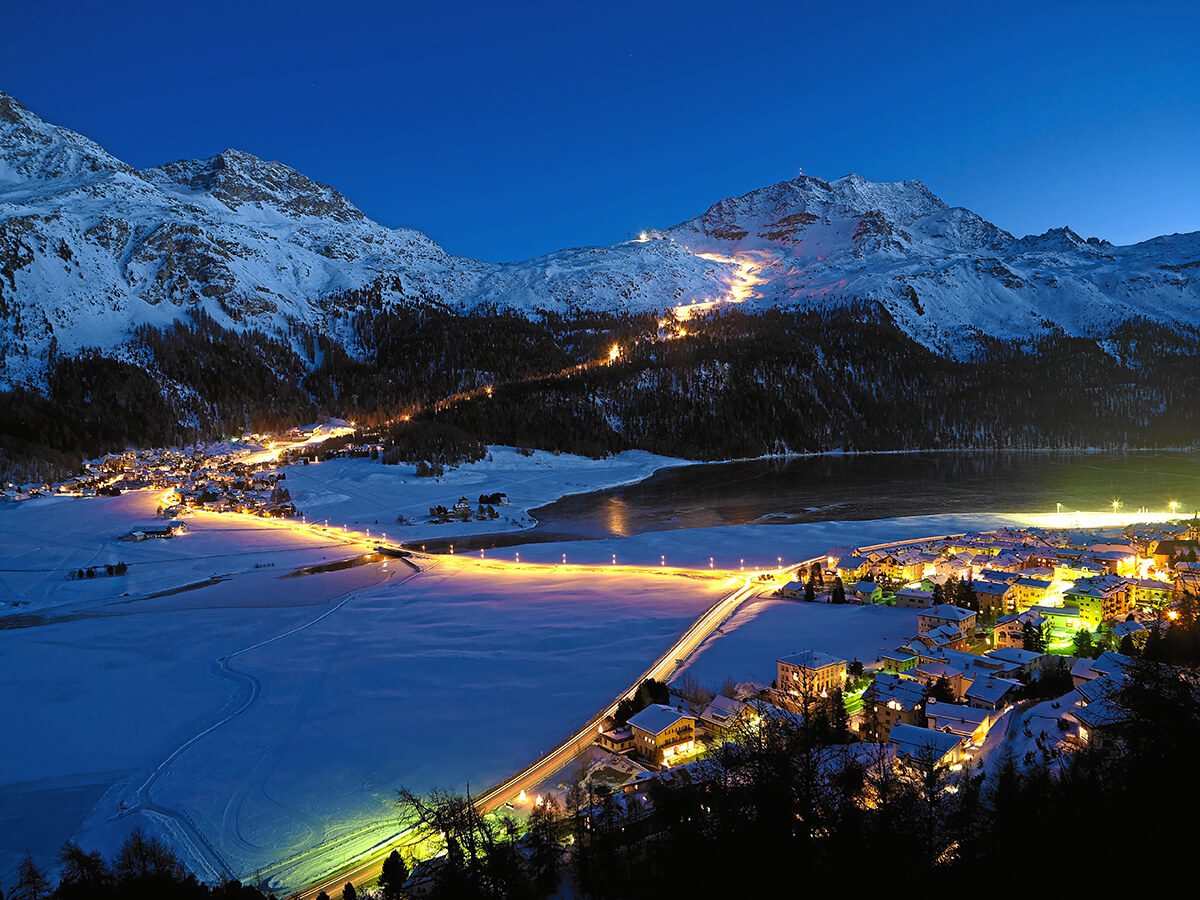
(367, 868)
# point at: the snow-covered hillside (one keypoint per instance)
(942, 272)
(90, 248)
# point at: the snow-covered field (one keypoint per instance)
(263, 723)
(42, 540)
(365, 494)
(252, 717)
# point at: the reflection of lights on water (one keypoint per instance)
(616, 516)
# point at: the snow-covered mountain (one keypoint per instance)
(90, 248)
(943, 272)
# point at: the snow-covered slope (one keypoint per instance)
(90, 248)
(943, 272)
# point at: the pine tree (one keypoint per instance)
(1031, 638)
(393, 876)
(1085, 647)
(839, 718)
(839, 591)
(32, 883)
(810, 591)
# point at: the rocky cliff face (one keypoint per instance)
(90, 248)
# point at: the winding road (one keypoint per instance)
(365, 867)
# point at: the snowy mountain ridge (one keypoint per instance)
(90, 248)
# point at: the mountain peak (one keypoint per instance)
(32, 150)
(236, 177)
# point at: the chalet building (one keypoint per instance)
(931, 673)
(922, 747)
(1104, 598)
(891, 700)
(866, 592)
(662, 734)
(1026, 664)
(995, 597)
(897, 661)
(616, 740)
(967, 722)
(914, 598)
(793, 590)
(809, 672)
(945, 614)
(1146, 593)
(723, 715)
(159, 531)
(1009, 631)
(1167, 552)
(991, 692)
(1137, 633)
(1029, 591)
(852, 568)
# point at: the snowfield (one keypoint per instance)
(261, 720)
(363, 493)
(252, 717)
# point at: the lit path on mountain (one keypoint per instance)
(745, 277)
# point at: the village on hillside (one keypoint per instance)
(1030, 629)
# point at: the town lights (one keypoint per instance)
(614, 353)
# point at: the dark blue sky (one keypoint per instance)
(506, 130)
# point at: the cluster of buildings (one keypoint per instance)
(1059, 581)
(463, 511)
(221, 480)
(966, 662)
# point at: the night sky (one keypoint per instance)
(508, 130)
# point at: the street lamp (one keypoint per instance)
(1116, 504)
(614, 559)
(1174, 504)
